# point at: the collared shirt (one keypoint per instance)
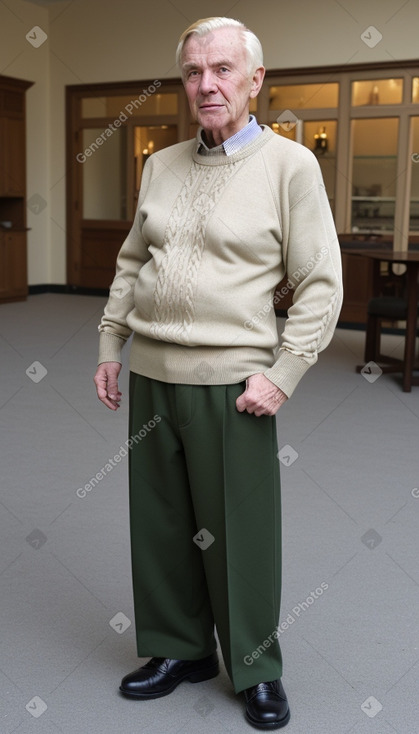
(232, 145)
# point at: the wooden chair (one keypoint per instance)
(389, 306)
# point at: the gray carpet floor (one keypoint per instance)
(349, 449)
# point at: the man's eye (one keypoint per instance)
(223, 69)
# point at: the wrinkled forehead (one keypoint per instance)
(218, 45)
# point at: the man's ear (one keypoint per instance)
(257, 81)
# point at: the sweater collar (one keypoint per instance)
(234, 144)
(246, 150)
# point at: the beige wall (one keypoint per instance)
(19, 59)
(115, 40)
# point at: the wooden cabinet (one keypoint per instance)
(13, 257)
(13, 275)
(12, 152)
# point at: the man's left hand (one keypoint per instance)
(260, 397)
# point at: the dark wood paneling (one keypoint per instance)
(12, 151)
(13, 257)
(282, 297)
(357, 287)
(99, 250)
(13, 275)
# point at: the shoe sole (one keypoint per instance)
(270, 725)
(197, 677)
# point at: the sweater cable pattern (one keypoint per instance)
(183, 247)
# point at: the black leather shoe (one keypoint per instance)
(160, 676)
(267, 705)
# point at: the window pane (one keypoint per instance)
(104, 174)
(148, 140)
(287, 128)
(146, 102)
(374, 169)
(320, 137)
(303, 96)
(377, 91)
(415, 89)
(414, 190)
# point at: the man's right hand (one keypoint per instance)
(106, 381)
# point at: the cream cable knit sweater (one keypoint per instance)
(211, 239)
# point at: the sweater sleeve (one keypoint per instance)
(113, 328)
(313, 263)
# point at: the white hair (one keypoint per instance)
(206, 25)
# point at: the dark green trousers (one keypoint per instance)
(205, 515)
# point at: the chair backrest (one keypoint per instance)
(391, 283)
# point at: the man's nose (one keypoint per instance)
(208, 82)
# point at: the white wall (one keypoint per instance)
(118, 40)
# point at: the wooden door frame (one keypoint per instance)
(74, 126)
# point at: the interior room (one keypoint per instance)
(89, 90)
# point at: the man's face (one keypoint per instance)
(218, 83)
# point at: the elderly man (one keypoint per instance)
(220, 220)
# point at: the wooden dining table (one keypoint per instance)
(410, 259)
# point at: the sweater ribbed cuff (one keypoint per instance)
(287, 371)
(110, 347)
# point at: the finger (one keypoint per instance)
(101, 387)
(109, 402)
(241, 402)
(112, 390)
(244, 403)
(108, 398)
(264, 411)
